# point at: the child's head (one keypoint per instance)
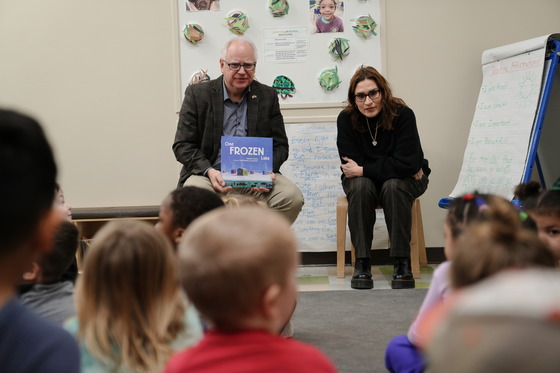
(50, 267)
(60, 203)
(238, 268)
(492, 245)
(234, 200)
(470, 208)
(544, 209)
(327, 8)
(181, 207)
(128, 296)
(504, 324)
(27, 182)
(527, 194)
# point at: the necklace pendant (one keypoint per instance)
(374, 143)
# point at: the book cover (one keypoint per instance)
(247, 162)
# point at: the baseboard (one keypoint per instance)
(379, 257)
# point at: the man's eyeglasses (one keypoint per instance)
(373, 94)
(235, 66)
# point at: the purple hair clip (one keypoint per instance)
(481, 203)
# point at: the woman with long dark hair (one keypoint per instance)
(382, 164)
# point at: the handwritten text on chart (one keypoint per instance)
(501, 129)
(516, 65)
(314, 166)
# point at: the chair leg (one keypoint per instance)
(417, 242)
(421, 240)
(341, 213)
(414, 241)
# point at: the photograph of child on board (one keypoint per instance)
(326, 15)
(196, 5)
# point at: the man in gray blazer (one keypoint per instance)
(233, 105)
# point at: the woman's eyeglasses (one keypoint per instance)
(373, 94)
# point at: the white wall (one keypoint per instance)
(102, 76)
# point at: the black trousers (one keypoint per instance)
(396, 196)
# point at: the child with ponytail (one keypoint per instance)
(493, 216)
(502, 315)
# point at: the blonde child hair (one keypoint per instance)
(228, 261)
(234, 200)
(128, 301)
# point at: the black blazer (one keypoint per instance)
(200, 127)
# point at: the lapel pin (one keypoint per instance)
(254, 96)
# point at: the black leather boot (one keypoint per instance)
(362, 274)
(402, 275)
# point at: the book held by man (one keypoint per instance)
(247, 161)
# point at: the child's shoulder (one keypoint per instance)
(307, 355)
(442, 269)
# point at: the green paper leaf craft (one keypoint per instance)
(238, 22)
(339, 48)
(284, 86)
(328, 79)
(199, 77)
(365, 26)
(278, 8)
(193, 33)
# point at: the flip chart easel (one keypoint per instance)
(553, 60)
(469, 173)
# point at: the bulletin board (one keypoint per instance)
(286, 45)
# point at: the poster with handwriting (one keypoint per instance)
(314, 167)
(498, 142)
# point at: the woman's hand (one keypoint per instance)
(351, 169)
(418, 175)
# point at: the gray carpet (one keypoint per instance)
(353, 327)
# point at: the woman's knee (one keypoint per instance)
(360, 186)
(394, 185)
(397, 188)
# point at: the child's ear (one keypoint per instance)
(177, 234)
(270, 302)
(32, 273)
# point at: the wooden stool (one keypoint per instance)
(417, 243)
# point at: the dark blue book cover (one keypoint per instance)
(247, 161)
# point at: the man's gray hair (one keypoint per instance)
(239, 38)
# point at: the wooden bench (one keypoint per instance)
(89, 220)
